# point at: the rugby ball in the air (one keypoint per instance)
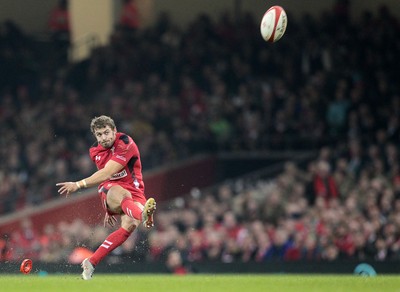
(273, 24)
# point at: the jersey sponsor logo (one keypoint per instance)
(119, 175)
(120, 157)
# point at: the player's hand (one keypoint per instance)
(67, 188)
(109, 219)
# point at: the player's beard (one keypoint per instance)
(107, 143)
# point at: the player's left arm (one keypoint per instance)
(96, 178)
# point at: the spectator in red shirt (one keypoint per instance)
(175, 264)
(25, 241)
(344, 240)
(230, 226)
(5, 250)
(59, 26)
(324, 184)
(129, 19)
(59, 18)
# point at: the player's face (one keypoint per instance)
(105, 136)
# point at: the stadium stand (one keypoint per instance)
(330, 86)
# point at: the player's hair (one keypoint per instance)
(101, 122)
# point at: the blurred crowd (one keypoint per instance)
(330, 84)
(324, 211)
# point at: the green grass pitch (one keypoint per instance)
(200, 282)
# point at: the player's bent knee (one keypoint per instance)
(128, 223)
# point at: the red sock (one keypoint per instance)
(114, 240)
(131, 209)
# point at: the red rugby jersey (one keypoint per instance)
(125, 152)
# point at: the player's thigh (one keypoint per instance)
(115, 195)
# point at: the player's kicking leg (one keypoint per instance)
(88, 269)
(148, 212)
(117, 238)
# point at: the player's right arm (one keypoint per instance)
(96, 178)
